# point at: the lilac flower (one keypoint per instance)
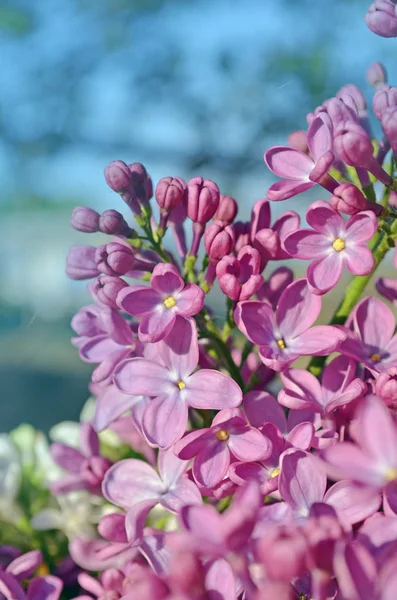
(284, 336)
(136, 487)
(86, 466)
(227, 209)
(373, 461)
(213, 448)
(338, 387)
(381, 18)
(85, 219)
(303, 483)
(333, 244)
(372, 341)
(239, 276)
(161, 303)
(111, 341)
(299, 171)
(40, 588)
(174, 386)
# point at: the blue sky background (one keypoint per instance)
(186, 87)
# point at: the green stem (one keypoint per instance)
(380, 246)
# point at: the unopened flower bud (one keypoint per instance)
(169, 193)
(104, 290)
(112, 222)
(85, 219)
(141, 182)
(202, 199)
(219, 240)
(118, 177)
(114, 258)
(381, 18)
(81, 263)
(227, 209)
(386, 387)
(349, 200)
(354, 147)
(267, 242)
(384, 99)
(377, 75)
(352, 92)
(389, 126)
(298, 140)
(242, 232)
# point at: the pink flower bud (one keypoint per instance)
(219, 240)
(114, 258)
(348, 200)
(227, 209)
(242, 232)
(112, 222)
(239, 276)
(104, 290)
(85, 219)
(350, 92)
(386, 387)
(389, 126)
(169, 193)
(377, 75)
(267, 242)
(381, 18)
(298, 140)
(81, 263)
(141, 182)
(118, 177)
(384, 98)
(202, 199)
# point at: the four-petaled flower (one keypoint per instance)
(159, 304)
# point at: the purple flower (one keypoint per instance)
(137, 487)
(338, 387)
(299, 171)
(229, 437)
(112, 342)
(40, 588)
(284, 336)
(115, 258)
(373, 461)
(85, 219)
(348, 199)
(239, 276)
(385, 98)
(159, 304)
(381, 18)
(174, 386)
(81, 263)
(333, 244)
(112, 222)
(227, 209)
(104, 290)
(303, 482)
(86, 466)
(372, 341)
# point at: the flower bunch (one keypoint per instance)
(213, 467)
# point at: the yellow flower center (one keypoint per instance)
(181, 385)
(338, 245)
(169, 302)
(391, 474)
(222, 435)
(375, 358)
(275, 472)
(281, 344)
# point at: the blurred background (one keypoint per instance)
(188, 87)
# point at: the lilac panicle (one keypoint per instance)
(174, 386)
(159, 304)
(333, 244)
(284, 336)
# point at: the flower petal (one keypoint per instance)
(320, 340)
(138, 300)
(319, 137)
(352, 503)
(302, 481)
(374, 322)
(185, 492)
(289, 163)
(165, 419)
(179, 351)
(306, 244)
(157, 325)
(256, 321)
(324, 274)
(297, 309)
(301, 390)
(261, 407)
(130, 481)
(208, 388)
(361, 227)
(45, 588)
(324, 219)
(111, 404)
(135, 520)
(96, 349)
(139, 376)
(250, 445)
(166, 279)
(282, 190)
(376, 432)
(211, 464)
(190, 300)
(347, 461)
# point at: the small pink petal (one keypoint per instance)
(359, 260)
(297, 309)
(324, 219)
(208, 388)
(324, 274)
(130, 481)
(135, 520)
(165, 419)
(190, 300)
(288, 163)
(361, 227)
(139, 376)
(157, 325)
(306, 244)
(282, 190)
(166, 279)
(179, 351)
